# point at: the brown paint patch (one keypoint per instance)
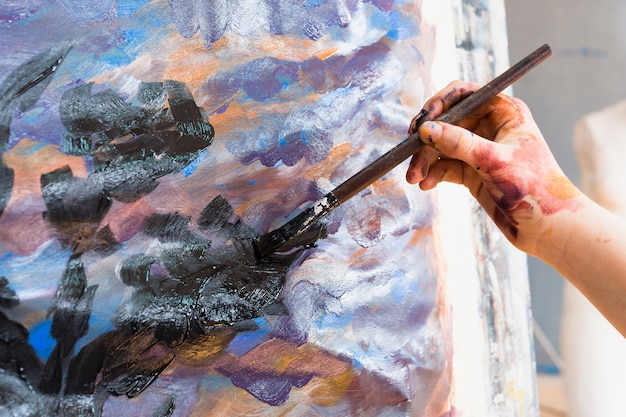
(202, 349)
(330, 390)
(280, 356)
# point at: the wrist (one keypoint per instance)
(565, 232)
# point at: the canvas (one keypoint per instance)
(146, 144)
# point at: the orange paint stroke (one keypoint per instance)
(419, 235)
(330, 390)
(237, 115)
(560, 187)
(30, 159)
(385, 186)
(364, 260)
(335, 158)
(327, 53)
(285, 47)
(189, 61)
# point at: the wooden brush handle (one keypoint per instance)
(461, 110)
(280, 239)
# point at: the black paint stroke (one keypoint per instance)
(8, 297)
(70, 310)
(132, 146)
(23, 87)
(198, 283)
(6, 184)
(19, 91)
(75, 208)
(17, 356)
(206, 283)
(20, 399)
(165, 409)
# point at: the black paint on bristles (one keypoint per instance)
(296, 231)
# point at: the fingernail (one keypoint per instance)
(431, 131)
(417, 121)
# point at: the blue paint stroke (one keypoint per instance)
(245, 341)
(41, 340)
(193, 166)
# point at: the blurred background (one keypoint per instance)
(586, 73)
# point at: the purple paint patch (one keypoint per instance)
(285, 328)
(268, 387)
(16, 11)
(264, 78)
(314, 74)
(260, 79)
(307, 132)
(263, 214)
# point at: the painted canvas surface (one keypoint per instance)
(146, 144)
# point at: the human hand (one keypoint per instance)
(500, 155)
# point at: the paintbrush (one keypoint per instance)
(279, 240)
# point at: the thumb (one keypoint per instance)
(453, 141)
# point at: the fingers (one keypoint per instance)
(449, 170)
(455, 142)
(457, 172)
(487, 120)
(420, 164)
(441, 102)
(454, 171)
(473, 142)
(448, 97)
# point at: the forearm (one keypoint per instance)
(588, 247)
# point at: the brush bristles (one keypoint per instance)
(268, 243)
(271, 242)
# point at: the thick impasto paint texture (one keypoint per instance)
(144, 146)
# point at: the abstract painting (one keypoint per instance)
(147, 143)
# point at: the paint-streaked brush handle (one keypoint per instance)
(458, 112)
(271, 242)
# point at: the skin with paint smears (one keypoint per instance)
(501, 157)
